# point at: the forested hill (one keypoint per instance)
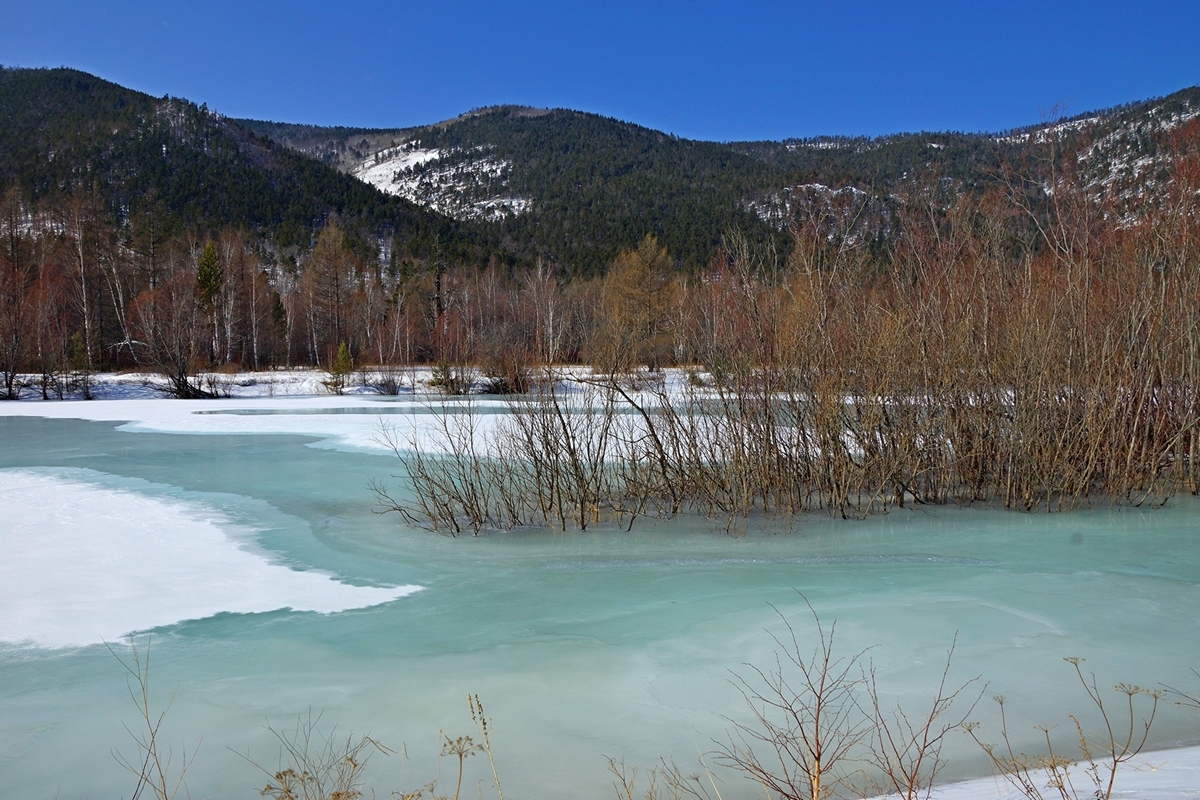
(524, 184)
(571, 187)
(577, 187)
(63, 131)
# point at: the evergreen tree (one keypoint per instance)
(208, 276)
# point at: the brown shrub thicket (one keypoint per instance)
(1037, 356)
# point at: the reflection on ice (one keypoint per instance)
(898, 558)
(81, 564)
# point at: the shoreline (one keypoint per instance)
(1167, 774)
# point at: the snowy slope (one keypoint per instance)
(462, 184)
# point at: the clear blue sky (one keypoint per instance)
(711, 70)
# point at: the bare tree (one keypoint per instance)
(172, 328)
(14, 281)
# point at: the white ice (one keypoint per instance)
(82, 564)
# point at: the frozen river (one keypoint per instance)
(245, 538)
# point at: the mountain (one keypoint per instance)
(522, 184)
(571, 187)
(576, 187)
(63, 131)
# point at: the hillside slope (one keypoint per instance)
(576, 187)
(62, 131)
(568, 186)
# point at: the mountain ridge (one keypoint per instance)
(485, 165)
(522, 184)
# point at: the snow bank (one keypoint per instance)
(1161, 775)
(82, 564)
(292, 402)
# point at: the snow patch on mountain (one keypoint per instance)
(385, 168)
(464, 184)
(1121, 159)
(829, 143)
(1045, 134)
(781, 208)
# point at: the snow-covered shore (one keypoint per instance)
(1159, 775)
(271, 383)
(294, 402)
(285, 383)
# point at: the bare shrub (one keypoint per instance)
(385, 379)
(458, 491)
(452, 378)
(820, 727)
(807, 729)
(563, 459)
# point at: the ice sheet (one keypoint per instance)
(82, 564)
(594, 644)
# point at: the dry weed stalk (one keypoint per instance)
(152, 767)
(318, 766)
(907, 751)
(663, 782)
(461, 748)
(1100, 757)
(1185, 699)
(483, 725)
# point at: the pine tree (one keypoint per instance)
(340, 369)
(208, 276)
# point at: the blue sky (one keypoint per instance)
(711, 70)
